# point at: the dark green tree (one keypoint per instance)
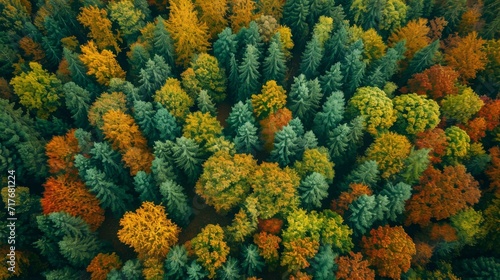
(233, 78)
(252, 263)
(224, 47)
(205, 103)
(246, 140)
(109, 161)
(186, 155)
(312, 190)
(297, 12)
(330, 116)
(274, 65)
(286, 146)
(311, 58)
(304, 98)
(323, 264)
(162, 43)
(65, 273)
(423, 59)
(397, 195)
(80, 250)
(137, 59)
(153, 76)
(249, 36)
(146, 188)
(335, 47)
(309, 141)
(76, 68)
(478, 268)
(144, 116)
(249, 75)
(365, 210)
(77, 102)
(176, 202)
(162, 170)
(176, 262)
(366, 173)
(165, 124)
(131, 92)
(195, 271)
(415, 164)
(332, 80)
(353, 68)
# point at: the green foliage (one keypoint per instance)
(469, 226)
(144, 117)
(385, 67)
(246, 140)
(312, 190)
(397, 195)
(176, 262)
(415, 164)
(274, 67)
(331, 114)
(162, 42)
(323, 265)
(224, 46)
(205, 104)
(76, 68)
(65, 273)
(367, 173)
(240, 114)
(77, 102)
(137, 58)
(332, 80)
(108, 160)
(165, 123)
(335, 47)
(176, 201)
(297, 12)
(479, 268)
(311, 58)
(365, 210)
(423, 59)
(230, 270)
(353, 69)
(248, 73)
(286, 146)
(152, 77)
(145, 186)
(252, 263)
(186, 155)
(196, 272)
(304, 98)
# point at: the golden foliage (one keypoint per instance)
(210, 248)
(242, 12)
(103, 65)
(97, 21)
(102, 264)
(389, 150)
(174, 98)
(269, 101)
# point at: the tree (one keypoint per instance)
(311, 58)
(389, 150)
(435, 82)
(458, 144)
(189, 34)
(224, 181)
(353, 69)
(76, 68)
(210, 248)
(96, 20)
(286, 146)
(397, 195)
(224, 46)
(102, 65)
(389, 249)
(70, 195)
(366, 173)
(242, 12)
(275, 189)
(354, 267)
(104, 103)
(77, 102)
(269, 245)
(214, 15)
(423, 59)
(468, 224)
(144, 185)
(186, 154)
(415, 33)
(201, 127)
(207, 76)
(174, 98)
(297, 252)
(60, 151)
(441, 194)
(435, 140)
(136, 227)
(463, 106)
(297, 12)
(38, 90)
(415, 114)
(376, 108)
(249, 75)
(312, 190)
(304, 98)
(366, 210)
(467, 56)
(380, 15)
(129, 18)
(386, 66)
(176, 262)
(271, 99)
(341, 204)
(102, 264)
(165, 124)
(230, 270)
(252, 263)
(246, 140)
(143, 115)
(176, 202)
(240, 114)
(331, 115)
(415, 164)
(272, 124)
(315, 160)
(108, 160)
(274, 66)
(153, 75)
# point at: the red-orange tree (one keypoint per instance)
(341, 204)
(353, 267)
(435, 82)
(389, 249)
(435, 140)
(102, 264)
(441, 194)
(61, 151)
(272, 124)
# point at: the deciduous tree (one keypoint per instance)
(242, 12)
(97, 21)
(213, 13)
(102, 264)
(354, 267)
(467, 56)
(389, 151)
(210, 248)
(435, 82)
(174, 98)
(461, 107)
(103, 65)
(415, 113)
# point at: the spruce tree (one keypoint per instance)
(332, 80)
(397, 195)
(230, 270)
(240, 114)
(323, 264)
(423, 59)
(249, 75)
(353, 68)
(335, 47)
(165, 124)
(274, 64)
(249, 36)
(387, 65)
(144, 117)
(305, 97)
(195, 271)
(205, 103)
(109, 161)
(80, 250)
(309, 141)
(246, 140)
(252, 263)
(162, 42)
(153, 76)
(137, 58)
(286, 146)
(176, 262)
(224, 47)
(330, 116)
(77, 102)
(145, 186)
(76, 68)
(297, 12)
(187, 156)
(362, 214)
(233, 78)
(311, 58)
(162, 170)
(176, 202)
(366, 173)
(312, 190)
(338, 142)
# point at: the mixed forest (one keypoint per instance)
(241, 139)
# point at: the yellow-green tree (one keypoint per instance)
(129, 18)
(96, 20)
(377, 109)
(205, 74)
(463, 106)
(189, 34)
(322, 29)
(389, 150)
(315, 160)
(38, 90)
(224, 182)
(103, 65)
(271, 99)
(468, 224)
(174, 98)
(210, 248)
(201, 127)
(213, 13)
(104, 103)
(148, 231)
(458, 144)
(415, 113)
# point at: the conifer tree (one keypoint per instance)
(176, 201)
(77, 102)
(416, 163)
(305, 97)
(311, 58)
(205, 103)
(387, 65)
(312, 190)
(144, 116)
(366, 173)
(234, 79)
(423, 59)
(335, 47)
(165, 124)
(332, 80)
(297, 12)
(230, 270)
(176, 263)
(108, 160)
(252, 263)
(353, 70)
(187, 156)
(76, 68)
(152, 77)
(248, 73)
(144, 185)
(162, 42)
(195, 271)
(286, 146)
(331, 114)
(323, 264)
(397, 195)
(224, 47)
(274, 66)
(246, 140)
(137, 58)
(240, 114)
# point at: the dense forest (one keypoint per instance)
(250, 139)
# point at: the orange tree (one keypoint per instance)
(353, 267)
(102, 264)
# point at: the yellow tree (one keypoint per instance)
(201, 127)
(174, 98)
(213, 13)
(103, 65)
(242, 12)
(467, 56)
(104, 103)
(148, 231)
(271, 99)
(210, 248)
(416, 35)
(389, 151)
(97, 22)
(189, 34)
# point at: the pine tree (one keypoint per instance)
(77, 102)
(332, 80)
(312, 190)
(353, 69)
(397, 194)
(423, 59)
(366, 173)
(80, 250)
(108, 160)
(224, 47)
(144, 185)
(249, 36)
(240, 114)
(162, 170)
(205, 103)
(249, 75)
(297, 12)
(252, 263)
(274, 64)
(311, 58)
(165, 124)
(176, 202)
(76, 68)
(305, 97)
(323, 265)
(387, 65)
(152, 77)
(230, 270)
(331, 114)
(144, 117)
(246, 140)
(187, 156)
(176, 263)
(286, 146)
(162, 42)
(234, 79)
(111, 196)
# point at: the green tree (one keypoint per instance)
(108, 160)
(423, 59)
(230, 270)
(196, 272)
(162, 42)
(76, 68)
(77, 102)
(240, 114)
(397, 194)
(247, 140)
(366, 210)
(176, 263)
(461, 107)
(186, 155)
(286, 146)
(415, 164)
(336, 47)
(176, 201)
(312, 190)
(382, 69)
(205, 104)
(165, 124)
(304, 98)
(378, 14)
(248, 73)
(331, 81)
(366, 173)
(252, 263)
(224, 46)
(311, 58)
(152, 77)
(297, 12)
(137, 58)
(145, 186)
(323, 264)
(331, 115)
(274, 65)
(144, 117)
(38, 90)
(353, 69)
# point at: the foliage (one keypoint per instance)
(210, 248)
(103, 65)
(354, 267)
(274, 67)
(102, 264)
(246, 140)
(389, 150)
(467, 56)
(248, 73)
(415, 33)
(271, 99)
(201, 127)
(272, 124)
(415, 113)
(137, 227)
(461, 107)
(207, 76)
(174, 98)
(468, 224)
(315, 160)
(304, 98)
(458, 144)
(435, 82)
(96, 20)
